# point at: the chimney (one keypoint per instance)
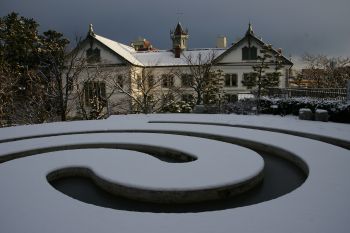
(279, 50)
(177, 52)
(221, 42)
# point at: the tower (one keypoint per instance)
(179, 37)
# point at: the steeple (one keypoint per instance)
(179, 37)
(250, 30)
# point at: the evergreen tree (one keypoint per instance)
(260, 77)
(20, 42)
(52, 65)
(213, 87)
(31, 60)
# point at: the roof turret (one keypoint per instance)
(179, 30)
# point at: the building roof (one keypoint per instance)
(164, 58)
(167, 58)
(159, 57)
(122, 50)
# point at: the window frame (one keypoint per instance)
(167, 80)
(231, 80)
(93, 55)
(120, 81)
(249, 53)
(247, 75)
(186, 80)
(92, 89)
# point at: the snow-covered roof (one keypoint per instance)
(119, 48)
(159, 57)
(167, 58)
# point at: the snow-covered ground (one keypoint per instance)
(28, 203)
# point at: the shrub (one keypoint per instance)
(339, 111)
(179, 107)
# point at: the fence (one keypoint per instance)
(319, 93)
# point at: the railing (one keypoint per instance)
(319, 93)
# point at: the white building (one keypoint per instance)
(120, 64)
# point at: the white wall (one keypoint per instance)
(107, 56)
(232, 63)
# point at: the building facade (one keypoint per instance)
(125, 76)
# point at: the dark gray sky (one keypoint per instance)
(297, 26)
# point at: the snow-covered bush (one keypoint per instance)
(243, 106)
(179, 107)
(339, 111)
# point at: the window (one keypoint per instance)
(151, 82)
(120, 81)
(69, 84)
(231, 98)
(249, 80)
(93, 55)
(249, 53)
(167, 80)
(231, 80)
(95, 92)
(186, 80)
(187, 98)
(253, 53)
(138, 81)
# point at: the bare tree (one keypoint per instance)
(326, 72)
(297, 79)
(25, 98)
(80, 85)
(61, 69)
(147, 90)
(7, 92)
(203, 78)
(94, 92)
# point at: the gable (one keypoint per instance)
(234, 53)
(106, 56)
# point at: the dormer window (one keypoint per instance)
(93, 55)
(249, 53)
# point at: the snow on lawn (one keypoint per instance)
(28, 203)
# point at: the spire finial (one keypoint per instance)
(250, 29)
(91, 30)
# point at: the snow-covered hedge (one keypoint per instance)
(178, 107)
(339, 111)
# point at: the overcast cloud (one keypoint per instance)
(298, 26)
